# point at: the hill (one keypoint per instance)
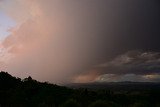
(116, 86)
(15, 92)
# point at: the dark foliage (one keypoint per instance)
(28, 92)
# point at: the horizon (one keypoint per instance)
(81, 41)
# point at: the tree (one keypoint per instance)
(28, 79)
(7, 81)
(101, 103)
(71, 103)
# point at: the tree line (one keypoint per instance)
(16, 92)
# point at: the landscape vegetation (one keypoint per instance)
(16, 92)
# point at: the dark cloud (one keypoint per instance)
(136, 66)
(133, 62)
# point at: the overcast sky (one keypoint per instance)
(65, 41)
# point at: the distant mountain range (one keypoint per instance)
(126, 85)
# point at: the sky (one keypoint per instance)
(80, 41)
(6, 23)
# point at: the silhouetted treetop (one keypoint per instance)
(28, 79)
(8, 81)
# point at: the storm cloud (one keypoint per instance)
(130, 66)
(81, 40)
(135, 62)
